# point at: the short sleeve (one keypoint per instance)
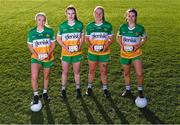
(143, 33)
(29, 38)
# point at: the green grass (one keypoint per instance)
(161, 65)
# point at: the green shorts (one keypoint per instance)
(48, 64)
(72, 59)
(98, 58)
(126, 61)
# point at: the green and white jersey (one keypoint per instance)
(131, 37)
(71, 36)
(98, 35)
(41, 41)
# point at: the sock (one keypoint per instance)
(104, 86)
(128, 87)
(140, 88)
(77, 86)
(63, 87)
(44, 91)
(90, 85)
(36, 93)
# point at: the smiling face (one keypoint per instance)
(70, 13)
(99, 14)
(40, 20)
(131, 17)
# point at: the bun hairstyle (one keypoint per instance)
(71, 7)
(133, 11)
(102, 8)
(44, 15)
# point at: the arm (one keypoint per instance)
(119, 40)
(59, 40)
(30, 47)
(51, 48)
(81, 41)
(107, 44)
(141, 43)
(88, 41)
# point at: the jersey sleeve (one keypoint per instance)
(119, 33)
(88, 30)
(52, 37)
(29, 38)
(110, 31)
(59, 31)
(143, 33)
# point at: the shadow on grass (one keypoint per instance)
(149, 115)
(49, 114)
(88, 114)
(71, 114)
(102, 111)
(118, 112)
(37, 117)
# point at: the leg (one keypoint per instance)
(139, 75)
(91, 75)
(46, 82)
(92, 70)
(46, 77)
(139, 72)
(76, 69)
(126, 74)
(65, 68)
(104, 77)
(127, 80)
(103, 72)
(35, 68)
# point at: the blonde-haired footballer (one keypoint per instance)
(41, 43)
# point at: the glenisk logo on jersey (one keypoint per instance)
(130, 40)
(98, 35)
(71, 36)
(41, 42)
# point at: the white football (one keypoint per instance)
(36, 107)
(141, 102)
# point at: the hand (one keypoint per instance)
(67, 49)
(79, 48)
(137, 46)
(91, 46)
(105, 47)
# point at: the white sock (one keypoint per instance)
(63, 87)
(44, 90)
(90, 85)
(128, 87)
(77, 86)
(140, 88)
(36, 93)
(104, 86)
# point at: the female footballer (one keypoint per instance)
(131, 36)
(41, 43)
(70, 38)
(99, 38)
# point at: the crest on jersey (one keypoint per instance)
(105, 29)
(78, 29)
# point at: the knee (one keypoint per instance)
(126, 74)
(91, 71)
(140, 75)
(65, 72)
(34, 77)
